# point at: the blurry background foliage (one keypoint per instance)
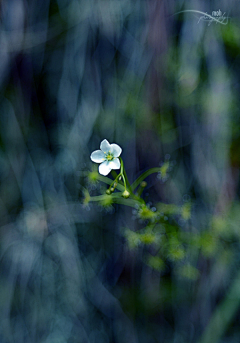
(163, 86)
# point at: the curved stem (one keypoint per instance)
(143, 176)
(116, 199)
(127, 184)
(110, 182)
(122, 172)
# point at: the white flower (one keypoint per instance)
(107, 156)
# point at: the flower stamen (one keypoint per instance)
(109, 157)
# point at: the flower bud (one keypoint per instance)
(126, 194)
(108, 191)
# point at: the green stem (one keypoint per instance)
(116, 199)
(141, 188)
(143, 176)
(110, 182)
(115, 180)
(126, 202)
(122, 172)
(114, 174)
(127, 182)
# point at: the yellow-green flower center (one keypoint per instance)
(109, 156)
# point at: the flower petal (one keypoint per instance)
(97, 156)
(104, 168)
(115, 163)
(105, 146)
(116, 150)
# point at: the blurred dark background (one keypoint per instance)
(162, 83)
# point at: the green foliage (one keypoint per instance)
(145, 213)
(155, 232)
(189, 272)
(93, 177)
(156, 262)
(186, 211)
(133, 238)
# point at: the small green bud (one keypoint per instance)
(93, 177)
(112, 189)
(87, 198)
(126, 194)
(120, 178)
(115, 185)
(108, 191)
(143, 184)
